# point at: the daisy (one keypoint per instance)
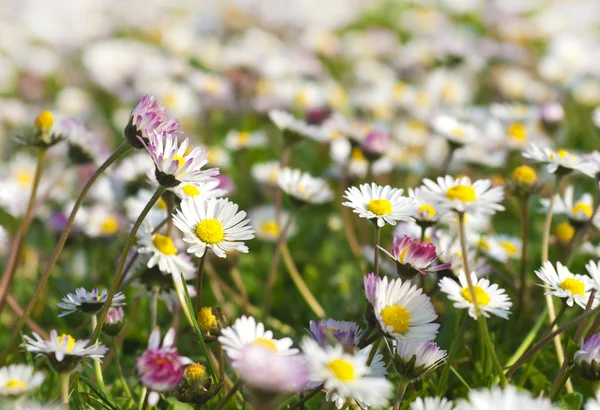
(115, 319)
(560, 282)
(402, 310)
(382, 203)
(19, 379)
(427, 213)
(431, 403)
(346, 333)
(587, 359)
(594, 402)
(245, 332)
(47, 131)
(160, 368)
(146, 118)
(84, 146)
(456, 132)
(64, 351)
(490, 298)
(450, 251)
(295, 130)
(235, 140)
(88, 302)
(266, 173)
(412, 257)
(413, 359)
(463, 196)
(264, 223)
(173, 164)
(99, 220)
(508, 398)
(164, 254)
(500, 247)
(561, 161)
(204, 190)
(213, 224)
(304, 188)
(347, 375)
(578, 212)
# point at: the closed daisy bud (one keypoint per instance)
(207, 321)
(564, 233)
(413, 359)
(47, 131)
(44, 121)
(587, 359)
(524, 176)
(115, 319)
(196, 387)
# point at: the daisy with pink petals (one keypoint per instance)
(147, 117)
(414, 257)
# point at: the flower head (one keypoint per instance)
(412, 257)
(304, 188)
(19, 379)
(427, 213)
(146, 118)
(413, 359)
(346, 333)
(503, 399)
(587, 359)
(561, 161)
(456, 132)
(431, 403)
(115, 319)
(164, 254)
(88, 302)
(560, 282)
(384, 204)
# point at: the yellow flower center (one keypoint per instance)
(269, 344)
(524, 175)
(464, 193)
(562, 153)
(417, 126)
(399, 90)
(517, 132)
(270, 228)
(244, 138)
(69, 340)
(194, 372)
(457, 132)
(582, 207)
(109, 226)
(273, 176)
(161, 204)
(357, 155)
(44, 121)
(380, 206)
(575, 286)
(509, 247)
(206, 319)
(483, 244)
(164, 244)
(342, 369)
(449, 91)
(482, 297)
(190, 190)
(564, 232)
(24, 178)
(397, 317)
(15, 384)
(180, 160)
(427, 210)
(336, 134)
(210, 231)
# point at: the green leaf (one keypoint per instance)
(104, 400)
(571, 401)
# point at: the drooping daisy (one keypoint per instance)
(149, 117)
(88, 302)
(587, 359)
(173, 164)
(164, 254)
(64, 352)
(346, 375)
(264, 223)
(204, 190)
(382, 203)
(413, 359)
(346, 333)
(561, 161)
(412, 257)
(427, 213)
(560, 282)
(246, 331)
(508, 398)
(235, 140)
(461, 195)
(304, 188)
(266, 173)
(402, 310)
(491, 299)
(431, 403)
(578, 212)
(456, 132)
(19, 379)
(213, 224)
(160, 368)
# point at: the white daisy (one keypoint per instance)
(577, 211)
(426, 212)
(461, 195)
(560, 160)
(450, 250)
(135, 204)
(508, 398)
(19, 379)
(413, 359)
(88, 302)
(302, 187)
(346, 375)
(266, 173)
(235, 140)
(431, 403)
(213, 224)
(264, 223)
(204, 190)
(295, 129)
(173, 165)
(164, 253)
(98, 220)
(246, 331)
(560, 282)
(500, 247)
(594, 402)
(456, 132)
(593, 269)
(403, 311)
(383, 203)
(490, 298)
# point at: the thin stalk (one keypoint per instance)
(373, 351)
(487, 340)
(451, 355)
(120, 369)
(11, 266)
(119, 272)
(64, 389)
(283, 161)
(527, 341)
(122, 150)
(524, 243)
(376, 249)
(221, 359)
(229, 395)
(300, 284)
(239, 285)
(446, 165)
(199, 280)
(400, 393)
(559, 316)
(143, 404)
(154, 308)
(306, 398)
(97, 366)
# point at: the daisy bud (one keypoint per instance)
(587, 359)
(207, 321)
(115, 319)
(46, 132)
(148, 116)
(564, 233)
(375, 144)
(44, 121)
(413, 257)
(524, 182)
(552, 115)
(413, 359)
(196, 387)
(326, 331)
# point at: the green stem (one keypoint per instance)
(129, 243)
(528, 340)
(199, 280)
(97, 366)
(143, 403)
(490, 348)
(524, 244)
(122, 150)
(373, 351)
(64, 389)
(154, 308)
(229, 395)
(441, 389)
(306, 398)
(120, 369)
(376, 249)
(400, 393)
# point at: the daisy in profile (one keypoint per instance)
(346, 333)
(499, 247)
(491, 299)
(412, 257)
(264, 222)
(384, 204)
(19, 379)
(304, 188)
(174, 165)
(587, 358)
(266, 173)
(463, 196)
(88, 302)
(236, 140)
(164, 254)
(414, 359)
(560, 282)
(427, 214)
(64, 352)
(246, 331)
(456, 132)
(213, 224)
(147, 117)
(431, 403)
(204, 190)
(560, 161)
(402, 310)
(578, 212)
(503, 399)
(346, 375)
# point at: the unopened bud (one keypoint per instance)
(207, 321)
(524, 182)
(564, 233)
(115, 319)
(44, 121)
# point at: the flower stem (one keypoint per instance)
(97, 366)
(199, 280)
(376, 249)
(306, 398)
(400, 393)
(524, 243)
(229, 395)
(441, 389)
(128, 244)
(64, 389)
(143, 403)
(300, 284)
(373, 351)
(122, 150)
(283, 161)
(154, 308)
(11, 266)
(120, 369)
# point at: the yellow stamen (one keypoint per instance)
(428, 211)
(482, 297)
(161, 204)
(575, 286)
(44, 121)
(210, 231)
(483, 244)
(270, 228)
(464, 193)
(244, 138)
(524, 175)
(164, 244)
(582, 207)
(207, 321)
(397, 317)
(24, 178)
(194, 372)
(564, 233)
(458, 132)
(179, 159)
(342, 369)
(403, 254)
(517, 132)
(15, 384)
(68, 340)
(190, 190)
(380, 206)
(562, 153)
(509, 247)
(269, 344)
(109, 226)
(357, 155)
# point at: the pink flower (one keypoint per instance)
(371, 281)
(149, 116)
(160, 369)
(375, 144)
(414, 257)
